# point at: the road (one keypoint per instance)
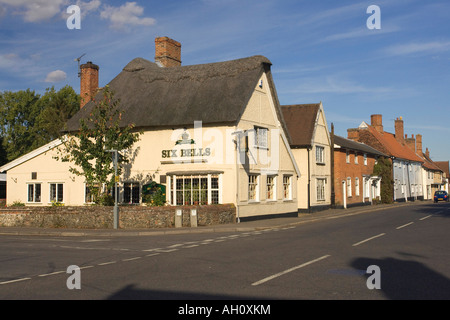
(323, 260)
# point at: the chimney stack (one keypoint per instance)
(399, 130)
(419, 144)
(353, 134)
(88, 82)
(427, 153)
(410, 142)
(377, 122)
(167, 52)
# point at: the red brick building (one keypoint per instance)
(354, 183)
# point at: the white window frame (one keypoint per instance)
(320, 189)
(287, 187)
(356, 157)
(132, 185)
(56, 184)
(86, 193)
(347, 156)
(320, 154)
(177, 196)
(365, 159)
(271, 182)
(253, 187)
(349, 187)
(261, 137)
(34, 199)
(357, 187)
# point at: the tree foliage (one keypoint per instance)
(383, 169)
(29, 120)
(87, 149)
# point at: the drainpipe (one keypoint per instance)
(309, 181)
(333, 194)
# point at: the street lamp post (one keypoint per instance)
(116, 207)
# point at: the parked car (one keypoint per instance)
(440, 196)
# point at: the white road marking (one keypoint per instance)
(86, 267)
(51, 274)
(405, 225)
(16, 280)
(152, 254)
(425, 217)
(288, 270)
(131, 259)
(371, 238)
(106, 263)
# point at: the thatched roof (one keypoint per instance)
(152, 96)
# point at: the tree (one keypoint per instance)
(28, 120)
(18, 115)
(383, 169)
(57, 108)
(87, 148)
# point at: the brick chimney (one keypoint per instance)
(353, 134)
(376, 121)
(88, 82)
(411, 142)
(399, 130)
(427, 153)
(419, 144)
(167, 52)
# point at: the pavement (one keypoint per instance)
(243, 226)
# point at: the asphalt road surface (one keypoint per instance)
(330, 259)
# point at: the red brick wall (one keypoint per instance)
(344, 170)
(168, 52)
(88, 82)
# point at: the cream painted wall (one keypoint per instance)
(315, 171)
(157, 154)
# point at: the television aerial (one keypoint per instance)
(78, 59)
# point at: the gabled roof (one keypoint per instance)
(31, 155)
(152, 96)
(444, 166)
(300, 121)
(392, 146)
(430, 164)
(344, 143)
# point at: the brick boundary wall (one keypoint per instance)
(130, 217)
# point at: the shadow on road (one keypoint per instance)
(131, 292)
(407, 280)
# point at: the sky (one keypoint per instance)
(321, 51)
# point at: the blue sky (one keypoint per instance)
(320, 50)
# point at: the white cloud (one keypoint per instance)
(128, 14)
(37, 10)
(418, 47)
(56, 76)
(7, 60)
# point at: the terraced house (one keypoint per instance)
(212, 133)
(311, 146)
(354, 181)
(408, 166)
